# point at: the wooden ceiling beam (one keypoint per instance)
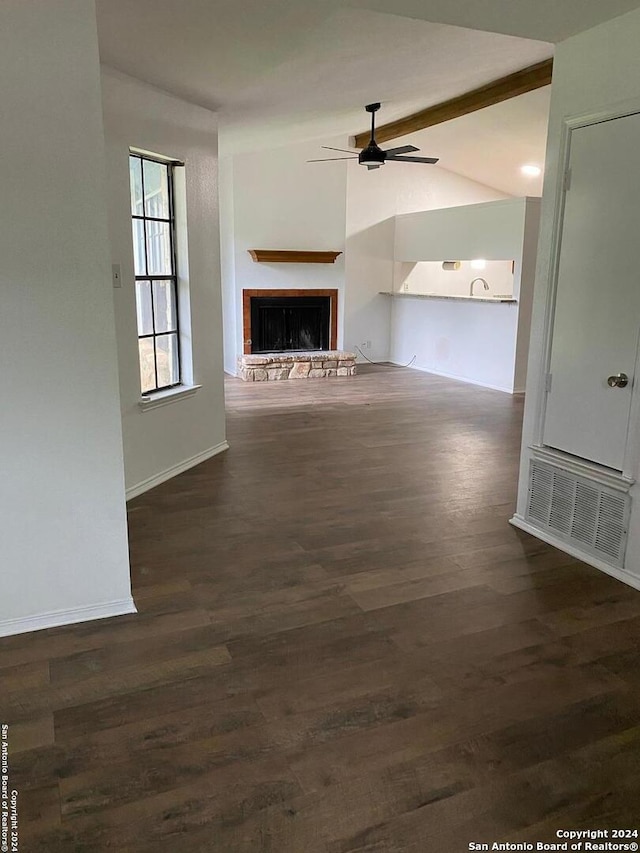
(525, 80)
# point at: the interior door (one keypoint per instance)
(597, 315)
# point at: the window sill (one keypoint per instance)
(164, 398)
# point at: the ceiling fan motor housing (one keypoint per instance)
(372, 155)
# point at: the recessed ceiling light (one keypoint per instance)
(531, 170)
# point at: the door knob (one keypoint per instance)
(620, 380)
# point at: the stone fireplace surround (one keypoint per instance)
(262, 367)
(299, 365)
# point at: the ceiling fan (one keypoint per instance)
(373, 156)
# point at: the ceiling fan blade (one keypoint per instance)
(413, 159)
(332, 159)
(346, 150)
(404, 149)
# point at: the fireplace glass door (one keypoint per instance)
(290, 324)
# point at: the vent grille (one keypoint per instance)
(579, 511)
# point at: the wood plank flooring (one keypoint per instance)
(342, 647)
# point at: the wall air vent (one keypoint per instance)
(579, 511)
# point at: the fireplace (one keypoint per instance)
(289, 324)
(289, 320)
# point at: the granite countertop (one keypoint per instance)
(404, 295)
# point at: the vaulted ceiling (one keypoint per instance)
(490, 146)
(290, 70)
(219, 52)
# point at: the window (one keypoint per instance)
(153, 225)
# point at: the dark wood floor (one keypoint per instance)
(342, 647)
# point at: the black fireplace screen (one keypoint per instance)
(289, 323)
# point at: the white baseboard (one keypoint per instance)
(619, 574)
(56, 618)
(174, 470)
(459, 378)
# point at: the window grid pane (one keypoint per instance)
(147, 355)
(144, 308)
(164, 307)
(166, 359)
(156, 298)
(159, 254)
(135, 179)
(139, 250)
(156, 184)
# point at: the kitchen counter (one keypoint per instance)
(403, 295)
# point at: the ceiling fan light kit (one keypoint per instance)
(373, 156)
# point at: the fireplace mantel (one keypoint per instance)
(282, 256)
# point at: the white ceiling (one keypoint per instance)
(213, 51)
(283, 71)
(547, 20)
(356, 57)
(309, 66)
(491, 145)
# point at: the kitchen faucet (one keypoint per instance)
(484, 282)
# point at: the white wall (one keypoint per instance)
(476, 342)
(492, 231)
(374, 198)
(231, 300)
(62, 509)
(430, 277)
(526, 293)
(593, 72)
(471, 341)
(277, 200)
(160, 441)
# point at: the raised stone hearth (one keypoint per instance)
(296, 365)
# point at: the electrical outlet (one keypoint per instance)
(368, 344)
